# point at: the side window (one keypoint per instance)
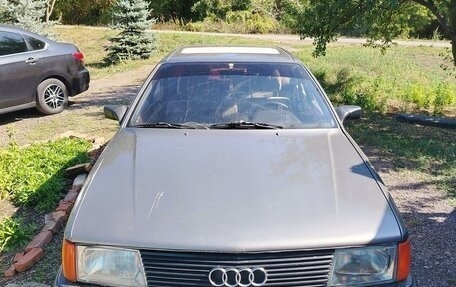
(11, 43)
(35, 44)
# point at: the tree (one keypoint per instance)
(133, 42)
(166, 10)
(216, 9)
(27, 14)
(50, 4)
(241, 5)
(383, 20)
(3, 11)
(84, 12)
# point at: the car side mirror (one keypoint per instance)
(348, 112)
(115, 112)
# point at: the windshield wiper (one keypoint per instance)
(164, 125)
(245, 125)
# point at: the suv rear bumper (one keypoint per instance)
(80, 83)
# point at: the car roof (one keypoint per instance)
(238, 53)
(16, 29)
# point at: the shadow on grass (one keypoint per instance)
(118, 96)
(399, 146)
(342, 83)
(19, 116)
(99, 65)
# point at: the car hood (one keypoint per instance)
(231, 190)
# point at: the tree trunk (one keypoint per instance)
(49, 9)
(453, 48)
(452, 16)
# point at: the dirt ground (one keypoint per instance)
(429, 217)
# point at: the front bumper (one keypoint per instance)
(60, 281)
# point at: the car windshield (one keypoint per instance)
(232, 96)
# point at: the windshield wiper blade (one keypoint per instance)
(164, 125)
(245, 125)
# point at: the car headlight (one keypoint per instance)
(360, 266)
(102, 265)
(109, 266)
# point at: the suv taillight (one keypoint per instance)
(79, 56)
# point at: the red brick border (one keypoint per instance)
(33, 252)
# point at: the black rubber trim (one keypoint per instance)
(424, 120)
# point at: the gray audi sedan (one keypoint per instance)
(232, 168)
(38, 72)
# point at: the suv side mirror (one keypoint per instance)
(349, 112)
(115, 112)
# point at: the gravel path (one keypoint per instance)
(431, 221)
(430, 218)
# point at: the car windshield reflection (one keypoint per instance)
(217, 95)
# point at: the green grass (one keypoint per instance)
(427, 151)
(404, 79)
(33, 176)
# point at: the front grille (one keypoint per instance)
(291, 269)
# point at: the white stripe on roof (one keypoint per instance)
(225, 50)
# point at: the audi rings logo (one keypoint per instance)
(241, 277)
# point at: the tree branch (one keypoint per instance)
(429, 4)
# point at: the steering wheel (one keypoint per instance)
(279, 106)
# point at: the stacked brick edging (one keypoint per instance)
(33, 252)
(55, 221)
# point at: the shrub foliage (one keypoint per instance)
(24, 13)
(133, 42)
(14, 233)
(34, 176)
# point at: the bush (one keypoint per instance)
(34, 176)
(443, 97)
(194, 27)
(250, 22)
(235, 22)
(14, 233)
(261, 24)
